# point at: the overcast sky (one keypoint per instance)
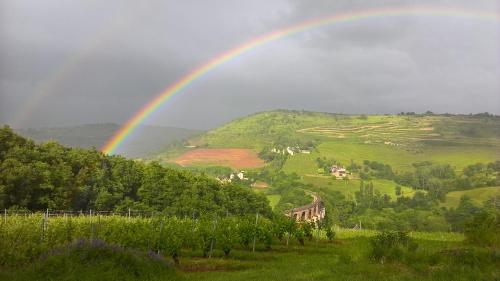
(93, 61)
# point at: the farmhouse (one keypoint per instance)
(338, 171)
(239, 175)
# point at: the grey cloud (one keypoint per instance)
(101, 61)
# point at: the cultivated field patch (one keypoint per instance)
(237, 158)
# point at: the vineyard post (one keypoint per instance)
(288, 236)
(318, 226)
(47, 220)
(194, 223)
(43, 229)
(255, 231)
(213, 238)
(129, 213)
(98, 226)
(91, 225)
(161, 233)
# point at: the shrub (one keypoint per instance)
(483, 229)
(391, 245)
(97, 260)
(226, 235)
(330, 233)
(299, 235)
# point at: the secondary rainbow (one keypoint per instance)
(140, 116)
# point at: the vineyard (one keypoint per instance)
(23, 238)
(157, 247)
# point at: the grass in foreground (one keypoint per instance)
(440, 256)
(342, 259)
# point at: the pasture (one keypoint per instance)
(350, 187)
(399, 158)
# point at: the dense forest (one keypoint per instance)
(49, 175)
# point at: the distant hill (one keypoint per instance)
(397, 140)
(412, 132)
(150, 140)
(401, 141)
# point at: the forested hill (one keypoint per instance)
(49, 175)
(151, 139)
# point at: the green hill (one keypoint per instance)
(397, 140)
(401, 141)
(151, 140)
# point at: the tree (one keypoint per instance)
(398, 190)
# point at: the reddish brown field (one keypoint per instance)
(232, 157)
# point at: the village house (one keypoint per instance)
(239, 175)
(338, 171)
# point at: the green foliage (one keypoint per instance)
(391, 246)
(97, 260)
(37, 177)
(483, 229)
(226, 234)
(330, 233)
(462, 214)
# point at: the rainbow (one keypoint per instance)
(140, 116)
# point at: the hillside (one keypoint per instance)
(397, 140)
(151, 139)
(390, 151)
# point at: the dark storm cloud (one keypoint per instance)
(64, 63)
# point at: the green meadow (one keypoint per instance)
(398, 157)
(350, 187)
(346, 258)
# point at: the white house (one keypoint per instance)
(239, 175)
(338, 172)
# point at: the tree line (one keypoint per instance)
(48, 175)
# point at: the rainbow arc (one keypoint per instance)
(156, 103)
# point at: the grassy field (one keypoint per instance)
(348, 188)
(478, 196)
(399, 158)
(346, 258)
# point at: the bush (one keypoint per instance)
(330, 233)
(226, 235)
(391, 245)
(96, 260)
(483, 229)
